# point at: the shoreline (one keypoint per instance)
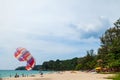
(66, 75)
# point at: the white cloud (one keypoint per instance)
(95, 29)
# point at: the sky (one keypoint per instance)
(53, 29)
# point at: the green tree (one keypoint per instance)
(87, 62)
(109, 51)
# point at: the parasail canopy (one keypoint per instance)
(23, 54)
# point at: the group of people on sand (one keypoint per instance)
(16, 75)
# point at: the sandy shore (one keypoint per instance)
(67, 75)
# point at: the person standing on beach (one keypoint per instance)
(41, 74)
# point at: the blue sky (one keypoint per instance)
(53, 29)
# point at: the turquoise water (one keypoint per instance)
(11, 73)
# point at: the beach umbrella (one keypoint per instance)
(23, 54)
(98, 68)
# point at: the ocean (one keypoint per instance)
(12, 73)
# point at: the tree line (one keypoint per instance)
(108, 55)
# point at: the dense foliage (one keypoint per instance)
(60, 64)
(108, 55)
(109, 52)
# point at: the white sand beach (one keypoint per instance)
(67, 75)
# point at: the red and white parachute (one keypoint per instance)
(24, 55)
